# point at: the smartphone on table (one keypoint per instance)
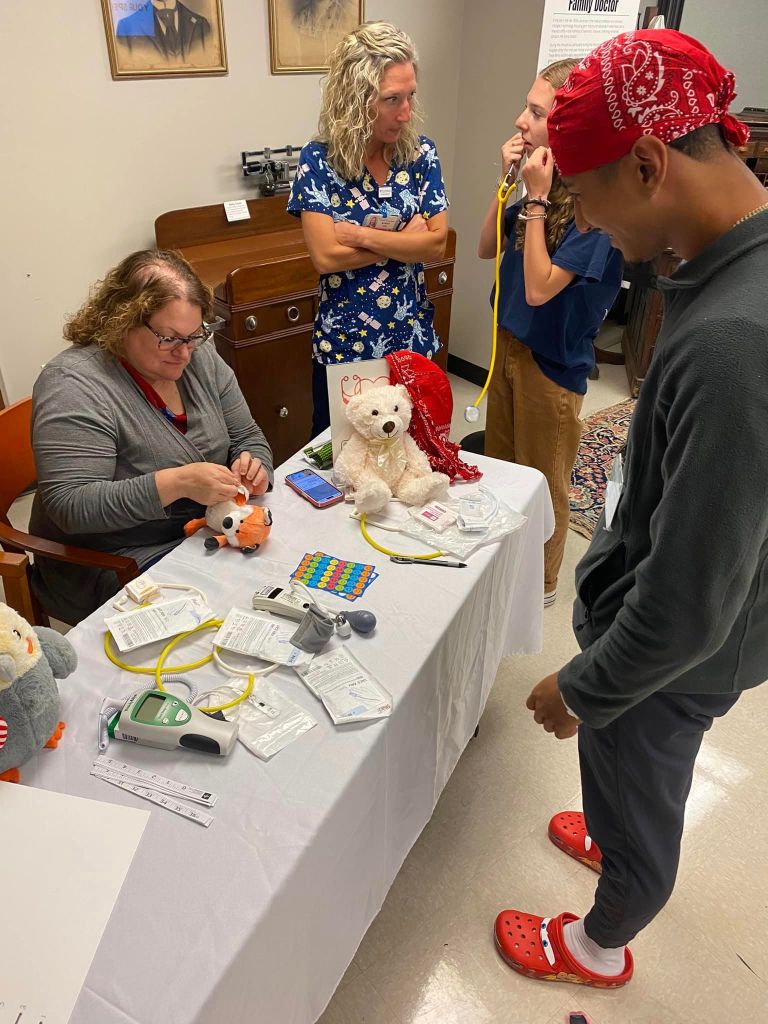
(314, 488)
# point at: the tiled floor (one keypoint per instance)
(428, 958)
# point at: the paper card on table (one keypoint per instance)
(236, 209)
(63, 860)
(334, 575)
(345, 380)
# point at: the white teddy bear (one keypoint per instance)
(381, 459)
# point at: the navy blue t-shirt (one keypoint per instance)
(561, 332)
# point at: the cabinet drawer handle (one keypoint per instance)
(283, 412)
(293, 313)
(251, 323)
(442, 277)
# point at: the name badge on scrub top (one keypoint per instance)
(385, 191)
(613, 489)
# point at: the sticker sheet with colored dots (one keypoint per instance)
(334, 575)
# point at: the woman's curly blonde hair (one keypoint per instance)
(130, 293)
(350, 90)
(560, 211)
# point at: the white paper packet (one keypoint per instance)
(348, 691)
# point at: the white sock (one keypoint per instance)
(587, 952)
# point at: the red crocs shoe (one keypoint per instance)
(534, 946)
(568, 831)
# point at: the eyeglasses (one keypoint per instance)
(193, 342)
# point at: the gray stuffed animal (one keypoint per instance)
(30, 659)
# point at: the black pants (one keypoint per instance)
(636, 774)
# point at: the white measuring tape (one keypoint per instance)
(154, 781)
(150, 786)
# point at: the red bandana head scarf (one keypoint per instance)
(655, 82)
(430, 392)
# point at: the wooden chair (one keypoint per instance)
(18, 474)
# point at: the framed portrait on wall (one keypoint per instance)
(159, 38)
(303, 32)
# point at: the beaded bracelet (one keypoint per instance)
(531, 216)
(539, 202)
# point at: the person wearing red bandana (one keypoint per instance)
(671, 612)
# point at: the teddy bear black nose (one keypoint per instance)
(388, 427)
(226, 522)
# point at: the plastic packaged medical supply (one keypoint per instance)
(268, 720)
(156, 622)
(486, 519)
(259, 635)
(348, 691)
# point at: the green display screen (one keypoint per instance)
(150, 707)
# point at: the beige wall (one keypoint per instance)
(87, 163)
(498, 65)
(737, 40)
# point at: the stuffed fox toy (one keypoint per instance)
(234, 522)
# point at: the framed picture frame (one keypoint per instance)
(164, 38)
(303, 32)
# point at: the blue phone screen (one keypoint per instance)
(314, 485)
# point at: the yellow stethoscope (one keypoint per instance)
(507, 186)
(160, 669)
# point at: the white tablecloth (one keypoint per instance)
(256, 918)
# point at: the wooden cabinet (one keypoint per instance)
(644, 315)
(265, 290)
(755, 152)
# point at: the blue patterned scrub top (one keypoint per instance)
(366, 313)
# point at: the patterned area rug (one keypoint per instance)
(604, 435)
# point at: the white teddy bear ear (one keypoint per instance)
(353, 405)
(402, 392)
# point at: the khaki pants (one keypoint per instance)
(534, 422)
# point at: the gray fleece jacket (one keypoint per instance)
(675, 596)
(98, 444)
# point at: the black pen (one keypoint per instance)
(404, 560)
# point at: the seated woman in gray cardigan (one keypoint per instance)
(135, 427)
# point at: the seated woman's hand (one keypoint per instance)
(250, 473)
(207, 482)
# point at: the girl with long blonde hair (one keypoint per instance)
(370, 195)
(556, 287)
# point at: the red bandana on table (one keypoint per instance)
(178, 419)
(430, 392)
(654, 82)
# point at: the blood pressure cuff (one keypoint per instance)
(314, 631)
(430, 392)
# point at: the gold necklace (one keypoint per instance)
(754, 213)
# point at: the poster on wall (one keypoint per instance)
(303, 32)
(157, 38)
(572, 28)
